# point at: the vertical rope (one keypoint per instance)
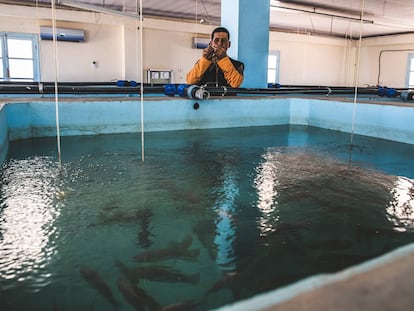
(196, 16)
(357, 74)
(55, 52)
(142, 84)
(37, 14)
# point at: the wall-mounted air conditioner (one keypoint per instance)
(200, 43)
(62, 34)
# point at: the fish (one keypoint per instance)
(336, 261)
(181, 306)
(185, 243)
(331, 245)
(167, 253)
(125, 217)
(165, 274)
(157, 273)
(286, 229)
(145, 232)
(95, 280)
(204, 231)
(55, 305)
(225, 281)
(174, 250)
(137, 297)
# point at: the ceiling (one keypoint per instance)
(344, 18)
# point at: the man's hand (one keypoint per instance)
(208, 52)
(219, 52)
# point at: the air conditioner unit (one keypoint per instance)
(200, 43)
(62, 34)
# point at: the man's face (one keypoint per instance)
(220, 39)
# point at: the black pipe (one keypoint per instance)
(113, 88)
(220, 91)
(76, 88)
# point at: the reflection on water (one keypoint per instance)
(266, 184)
(295, 176)
(226, 194)
(401, 207)
(27, 221)
(211, 217)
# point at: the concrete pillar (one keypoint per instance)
(248, 24)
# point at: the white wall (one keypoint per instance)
(114, 43)
(168, 45)
(104, 45)
(392, 64)
(310, 60)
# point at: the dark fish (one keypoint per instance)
(144, 232)
(136, 296)
(131, 294)
(55, 305)
(177, 194)
(95, 280)
(111, 206)
(225, 281)
(204, 231)
(157, 273)
(336, 261)
(125, 217)
(331, 245)
(168, 253)
(285, 227)
(184, 244)
(175, 250)
(181, 306)
(127, 271)
(188, 196)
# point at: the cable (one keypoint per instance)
(142, 85)
(357, 76)
(56, 81)
(379, 60)
(205, 10)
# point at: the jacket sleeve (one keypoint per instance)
(233, 76)
(196, 73)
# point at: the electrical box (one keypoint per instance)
(159, 76)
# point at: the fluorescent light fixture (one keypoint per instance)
(279, 7)
(99, 9)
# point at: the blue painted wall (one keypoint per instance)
(248, 23)
(36, 119)
(4, 142)
(79, 117)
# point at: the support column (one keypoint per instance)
(248, 24)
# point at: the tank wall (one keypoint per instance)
(37, 119)
(4, 141)
(78, 117)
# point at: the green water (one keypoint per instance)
(210, 217)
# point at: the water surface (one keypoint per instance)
(210, 217)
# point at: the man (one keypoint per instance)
(215, 68)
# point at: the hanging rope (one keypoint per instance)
(142, 84)
(357, 75)
(55, 52)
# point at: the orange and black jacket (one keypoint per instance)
(226, 72)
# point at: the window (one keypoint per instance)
(19, 60)
(273, 67)
(410, 71)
